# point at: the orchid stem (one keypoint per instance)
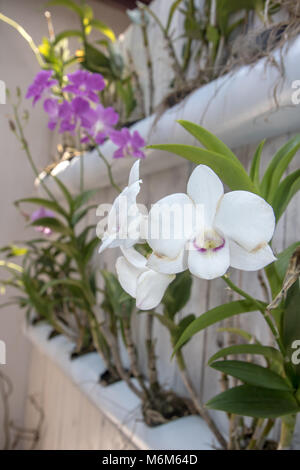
(28, 153)
(261, 309)
(107, 164)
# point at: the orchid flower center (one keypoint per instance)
(99, 126)
(128, 150)
(211, 241)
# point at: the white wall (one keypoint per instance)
(17, 68)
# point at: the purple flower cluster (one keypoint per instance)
(79, 108)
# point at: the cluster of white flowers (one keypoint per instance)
(207, 233)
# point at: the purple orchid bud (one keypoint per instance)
(40, 214)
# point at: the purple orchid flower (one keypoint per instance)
(99, 123)
(129, 144)
(86, 84)
(67, 113)
(40, 214)
(51, 106)
(41, 83)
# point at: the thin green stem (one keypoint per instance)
(107, 164)
(28, 153)
(81, 164)
(260, 308)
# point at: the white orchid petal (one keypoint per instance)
(134, 174)
(250, 261)
(166, 265)
(245, 218)
(205, 188)
(170, 224)
(107, 242)
(128, 275)
(151, 288)
(134, 257)
(209, 264)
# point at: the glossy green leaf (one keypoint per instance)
(287, 189)
(209, 140)
(178, 294)
(172, 10)
(277, 167)
(268, 352)
(251, 374)
(258, 402)
(215, 315)
(255, 166)
(228, 171)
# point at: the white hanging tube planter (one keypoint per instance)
(240, 108)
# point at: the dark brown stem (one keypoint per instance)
(112, 341)
(150, 346)
(132, 353)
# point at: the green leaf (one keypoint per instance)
(238, 331)
(252, 374)
(283, 259)
(255, 166)
(114, 293)
(231, 173)
(215, 315)
(65, 192)
(67, 34)
(285, 192)
(172, 10)
(182, 325)
(68, 4)
(104, 29)
(52, 205)
(95, 60)
(178, 293)
(79, 215)
(83, 198)
(54, 224)
(79, 285)
(209, 140)
(277, 167)
(291, 323)
(90, 249)
(257, 402)
(268, 352)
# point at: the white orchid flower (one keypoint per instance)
(124, 221)
(236, 229)
(144, 284)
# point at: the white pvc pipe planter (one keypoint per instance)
(239, 108)
(188, 433)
